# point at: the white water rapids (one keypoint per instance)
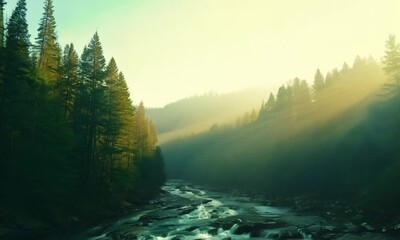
(189, 212)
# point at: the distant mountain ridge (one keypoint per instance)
(198, 113)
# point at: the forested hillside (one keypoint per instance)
(337, 138)
(73, 146)
(199, 113)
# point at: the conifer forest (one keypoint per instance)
(217, 154)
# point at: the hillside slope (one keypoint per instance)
(342, 143)
(197, 114)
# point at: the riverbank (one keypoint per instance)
(343, 216)
(25, 227)
(185, 211)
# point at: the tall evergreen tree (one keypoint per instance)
(2, 3)
(2, 122)
(111, 124)
(270, 105)
(46, 44)
(345, 68)
(296, 90)
(283, 98)
(319, 82)
(117, 147)
(68, 80)
(18, 80)
(2, 30)
(90, 103)
(391, 59)
(305, 94)
(141, 132)
(329, 81)
(153, 139)
(125, 140)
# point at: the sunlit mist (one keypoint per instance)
(173, 49)
(199, 119)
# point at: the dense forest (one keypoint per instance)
(72, 144)
(335, 139)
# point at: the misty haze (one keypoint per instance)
(189, 120)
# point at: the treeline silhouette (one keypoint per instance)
(197, 113)
(72, 144)
(337, 139)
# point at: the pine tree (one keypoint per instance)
(3, 131)
(68, 81)
(141, 132)
(329, 81)
(391, 59)
(305, 94)
(79, 115)
(345, 69)
(111, 124)
(319, 85)
(148, 158)
(125, 140)
(319, 82)
(89, 107)
(117, 130)
(283, 98)
(17, 38)
(152, 133)
(18, 81)
(46, 44)
(271, 102)
(2, 30)
(296, 91)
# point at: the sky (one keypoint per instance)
(171, 49)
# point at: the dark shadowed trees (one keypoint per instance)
(19, 84)
(2, 26)
(67, 83)
(67, 129)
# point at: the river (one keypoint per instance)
(189, 212)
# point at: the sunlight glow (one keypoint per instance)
(173, 49)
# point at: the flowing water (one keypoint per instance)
(191, 212)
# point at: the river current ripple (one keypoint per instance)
(190, 212)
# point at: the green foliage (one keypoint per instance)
(319, 81)
(2, 3)
(91, 95)
(391, 59)
(67, 83)
(69, 133)
(19, 85)
(271, 102)
(46, 44)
